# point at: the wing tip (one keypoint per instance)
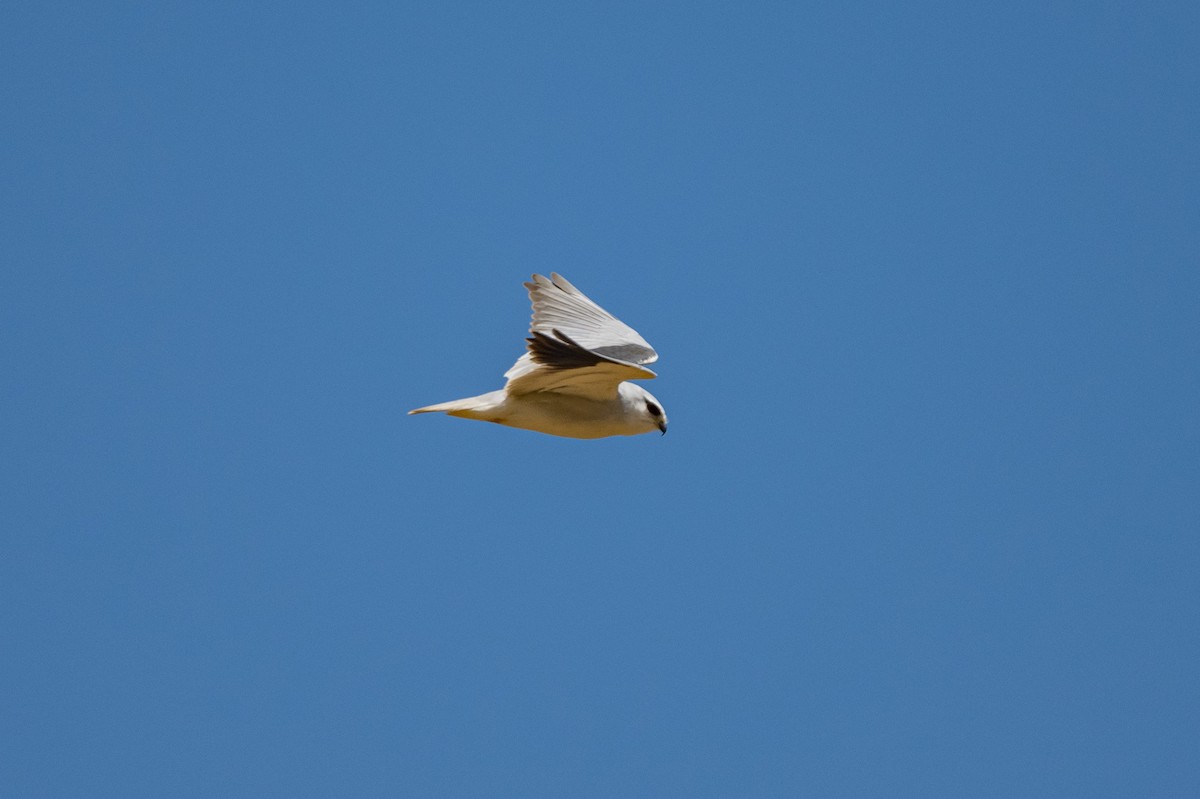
(555, 280)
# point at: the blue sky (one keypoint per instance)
(924, 284)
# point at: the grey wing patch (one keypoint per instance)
(561, 352)
(630, 353)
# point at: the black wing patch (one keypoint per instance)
(561, 352)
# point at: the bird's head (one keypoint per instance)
(646, 409)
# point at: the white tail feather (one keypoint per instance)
(469, 408)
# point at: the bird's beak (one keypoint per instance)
(663, 427)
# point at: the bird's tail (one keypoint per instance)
(469, 408)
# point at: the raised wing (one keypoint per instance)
(575, 346)
(557, 305)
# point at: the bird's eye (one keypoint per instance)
(654, 409)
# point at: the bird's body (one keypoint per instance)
(557, 414)
(573, 380)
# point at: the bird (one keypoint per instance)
(573, 379)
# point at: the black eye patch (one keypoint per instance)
(654, 409)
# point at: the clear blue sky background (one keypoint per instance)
(925, 283)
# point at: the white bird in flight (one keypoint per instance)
(572, 381)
